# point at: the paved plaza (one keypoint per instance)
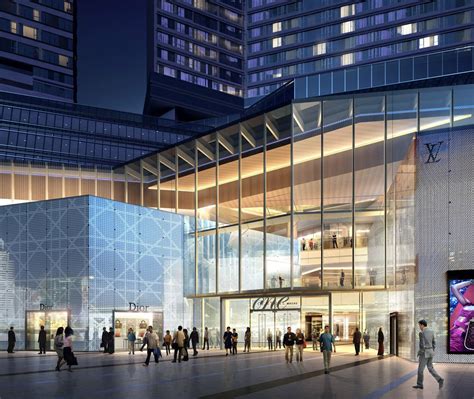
(213, 375)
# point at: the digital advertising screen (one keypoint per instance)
(461, 311)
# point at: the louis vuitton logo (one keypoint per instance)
(433, 151)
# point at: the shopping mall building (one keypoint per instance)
(346, 209)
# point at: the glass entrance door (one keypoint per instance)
(264, 323)
(51, 320)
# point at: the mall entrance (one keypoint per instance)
(267, 316)
(50, 319)
(138, 321)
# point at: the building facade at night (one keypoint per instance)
(320, 211)
(37, 48)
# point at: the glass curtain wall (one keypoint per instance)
(307, 196)
(306, 165)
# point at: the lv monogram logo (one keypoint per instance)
(433, 151)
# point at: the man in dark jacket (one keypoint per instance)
(105, 340)
(42, 340)
(356, 341)
(194, 337)
(288, 342)
(111, 343)
(11, 340)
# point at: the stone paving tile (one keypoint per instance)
(259, 375)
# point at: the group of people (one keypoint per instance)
(108, 340)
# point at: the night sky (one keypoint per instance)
(111, 54)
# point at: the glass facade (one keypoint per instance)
(37, 42)
(90, 263)
(302, 197)
(288, 41)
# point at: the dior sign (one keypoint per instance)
(135, 307)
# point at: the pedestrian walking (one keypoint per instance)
(235, 339)
(42, 341)
(105, 340)
(247, 340)
(67, 348)
(328, 345)
(300, 345)
(315, 337)
(178, 344)
(131, 338)
(366, 339)
(426, 354)
(186, 345)
(334, 241)
(270, 340)
(278, 339)
(356, 338)
(111, 341)
(342, 278)
(152, 340)
(205, 339)
(58, 347)
(288, 343)
(380, 340)
(227, 341)
(11, 340)
(144, 343)
(167, 339)
(194, 340)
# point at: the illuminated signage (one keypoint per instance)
(276, 303)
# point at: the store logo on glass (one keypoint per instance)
(433, 151)
(276, 303)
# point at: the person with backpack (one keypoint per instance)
(152, 340)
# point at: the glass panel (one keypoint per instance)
(307, 156)
(345, 315)
(369, 173)
(315, 314)
(435, 109)
(307, 251)
(278, 158)
(337, 151)
(252, 256)
(228, 175)
(337, 193)
(168, 180)
(212, 320)
(369, 254)
(278, 247)
(186, 179)
(228, 259)
(401, 130)
(236, 315)
(337, 250)
(206, 267)
(463, 105)
(252, 134)
(206, 184)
